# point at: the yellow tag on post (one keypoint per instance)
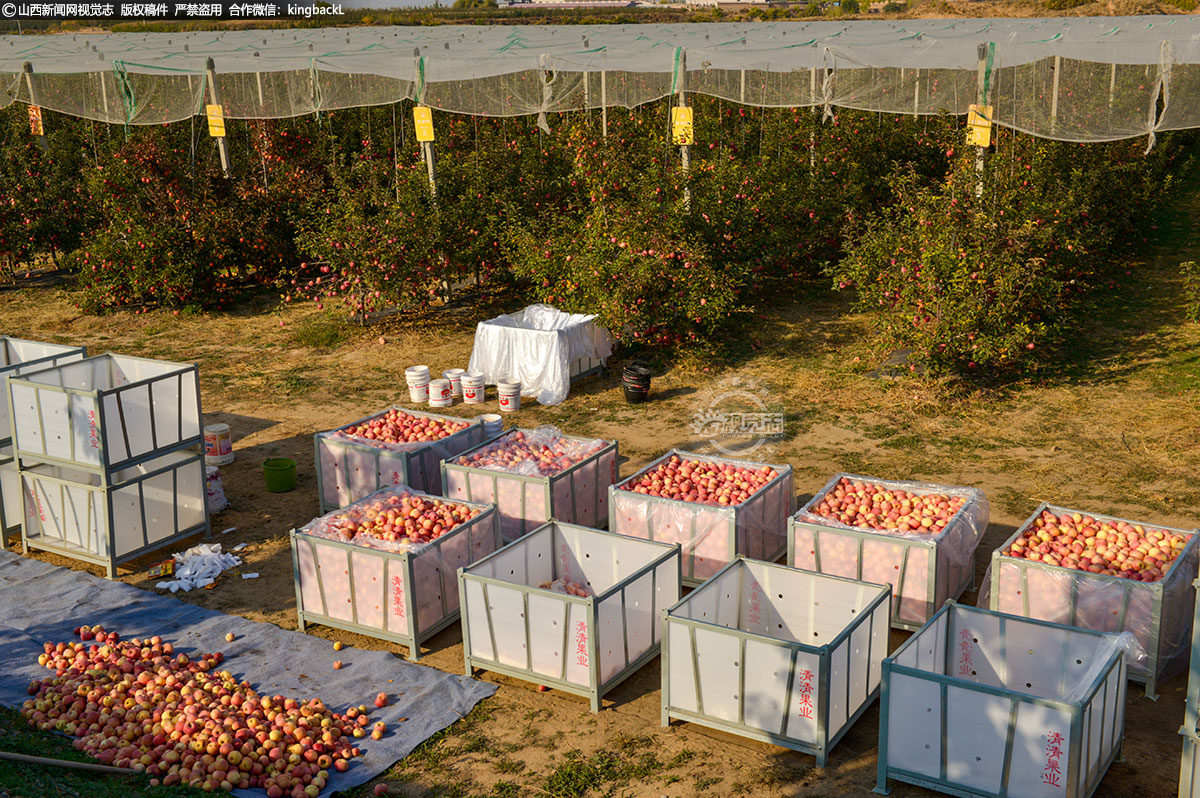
(216, 121)
(682, 132)
(423, 121)
(979, 126)
(35, 121)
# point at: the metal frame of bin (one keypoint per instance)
(67, 353)
(412, 637)
(10, 497)
(823, 652)
(1189, 774)
(784, 472)
(1150, 678)
(110, 563)
(547, 483)
(585, 367)
(101, 397)
(402, 458)
(862, 535)
(944, 681)
(595, 690)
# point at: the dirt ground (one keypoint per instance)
(1114, 432)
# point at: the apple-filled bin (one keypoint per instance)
(390, 448)
(533, 476)
(776, 654)
(715, 507)
(139, 509)
(568, 607)
(385, 566)
(918, 537)
(103, 414)
(978, 703)
(17, 357)
(1144, 585)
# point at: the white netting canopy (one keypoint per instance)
(1077, 79)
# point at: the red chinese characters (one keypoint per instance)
(806, 690)
(93, 432)
(398, 596)
(1052, 773)
(756, 597)
(964, 652)
(581, 643)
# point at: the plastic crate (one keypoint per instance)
(349, 469)
(711, 535)
(1158, 614)
(924, 570)
(585, 646)
(403, 596)
(575, 495)
(17, 357)
(776, 654)
(978, 703)
(143, 508)
(104, 414)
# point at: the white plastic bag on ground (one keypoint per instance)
(199, 566)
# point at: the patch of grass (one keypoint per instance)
(35, 780)
(506, 765)
(295, 382)
(628, 758)
(505, 789)
(319, 333)
(704, 782)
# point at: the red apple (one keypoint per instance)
(701, 481)
(397, 426)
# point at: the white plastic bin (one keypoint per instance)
(403, 596)
(1189, 768)
(983, 704)
(925, 570)
(575, 495)
(143, 508)
(585, 646)
(711, 535)
(776, 654)
(105, 413)
(17, 357)
(349, 469)
(1158, 614)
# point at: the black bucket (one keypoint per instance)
(635, 380)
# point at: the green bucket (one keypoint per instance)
(280, 473)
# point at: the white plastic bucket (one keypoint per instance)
(510, 395)
(218, 445)
(417, 375)
(455, 376)
(473, 390)
(418, 393)
(493, 424)
(439, 393)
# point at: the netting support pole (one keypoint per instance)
(33, 101)
(685, 152)
(604, 101)
(812, 136)
(1112, 88)
(981, 94)
(1054, 94)
(215, 99)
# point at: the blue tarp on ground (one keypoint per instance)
(41, 602)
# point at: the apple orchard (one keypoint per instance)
(338, 211)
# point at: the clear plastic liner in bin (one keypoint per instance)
(344, 434)
(540, 452)
(1124, 642)
(958, 539)
(335, 525)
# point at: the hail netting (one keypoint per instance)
(1076, 79)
